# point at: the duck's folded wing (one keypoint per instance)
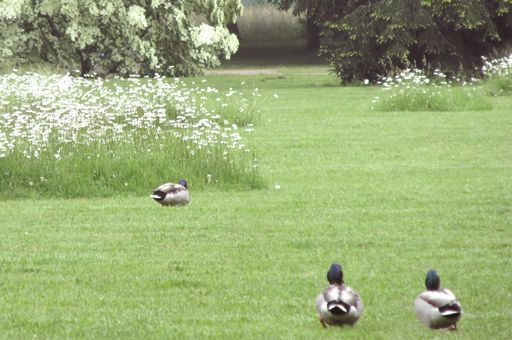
(437, 298)
(171, 188)
(332, 293)
(330, 296)
(320, 301)
(451, 309)
(351, 296)
(164, 187)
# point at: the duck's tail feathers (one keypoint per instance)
(338, 307)
(450, 310)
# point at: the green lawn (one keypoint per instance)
(387, 194)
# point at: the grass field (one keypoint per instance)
(387, 194)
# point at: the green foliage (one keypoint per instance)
(127, 37)
(365, 39)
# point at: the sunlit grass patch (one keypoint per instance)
(72, 137)
(498, 76)
(412, 90)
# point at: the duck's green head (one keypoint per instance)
(433, 281)
(335, 274)
(183, 182)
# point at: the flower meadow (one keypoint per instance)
(413, 90)
(499, 76)
(70, 137)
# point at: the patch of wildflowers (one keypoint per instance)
(412, 90)
(498, 74)
(37, 110)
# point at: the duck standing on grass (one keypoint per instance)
(437, 308)
(170, 194)
(338, 304)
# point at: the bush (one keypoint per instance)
(368, 39)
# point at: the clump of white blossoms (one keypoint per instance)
(208, 39)
(407, 78)
(136, 17)
(407, 81)
(38, 110)
(413, 90)
(498, 75)
(497, 67)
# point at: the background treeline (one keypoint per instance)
(363, 39)
(172, 37)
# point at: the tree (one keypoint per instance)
(367, 38)
(309, 9)
(123, 36)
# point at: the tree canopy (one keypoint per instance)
(366, 38)
(121, 36)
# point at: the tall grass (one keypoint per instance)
(113, 169)
(412, 90)
(64, 136)
(238, 106)
(498, 73)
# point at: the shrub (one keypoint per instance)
(365, 39)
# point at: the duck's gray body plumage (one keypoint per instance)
(171, 194)
(339, 305)
(437, 308)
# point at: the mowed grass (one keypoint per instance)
(387, 194)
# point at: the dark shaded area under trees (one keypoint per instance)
(363, 39)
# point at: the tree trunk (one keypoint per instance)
(85, 65)
(312, 31)
(233, 28)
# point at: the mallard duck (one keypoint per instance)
(338, 304)
(437, 308)
(172, 194)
